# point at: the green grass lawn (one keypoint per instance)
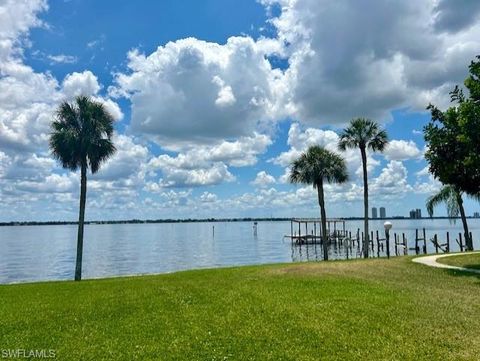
(347, 310)
(468, 260)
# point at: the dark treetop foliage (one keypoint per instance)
(363, 133)
(82, 132)
(317, 165)
(453, 137)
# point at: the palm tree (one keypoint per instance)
(452, 197)
(315, 166)
(82, 138)
(364, 134)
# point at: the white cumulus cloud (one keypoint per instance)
(85, 83)
(402, 150)
(263, 179)
(199, 91)
(354, 58)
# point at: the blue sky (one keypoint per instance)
(101, 45)
(213, 99)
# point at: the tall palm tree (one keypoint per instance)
(316, 166)
(452, 197)
(364, 134)
(82, 138)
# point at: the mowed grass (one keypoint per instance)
(467, 260)
(346, 310)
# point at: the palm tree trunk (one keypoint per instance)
(468, 241)
(323, 218)
(81, 220)
(366, 244)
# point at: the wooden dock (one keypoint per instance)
(305, 239)
(308, 231)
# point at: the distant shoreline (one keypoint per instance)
(200, 220)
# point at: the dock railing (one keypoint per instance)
(307, 231)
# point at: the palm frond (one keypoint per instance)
(475, 197)
(378, 142)
(447, 195)
(82, 132)
(363, 133)
(99, 153)
(64, 146)
(316, 165)
(67, 117)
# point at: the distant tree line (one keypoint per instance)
(189, 220)
(143, 221)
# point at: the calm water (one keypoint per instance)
(35, 253)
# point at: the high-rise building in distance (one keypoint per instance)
(383, 212)
(374, 213)
(418, 213)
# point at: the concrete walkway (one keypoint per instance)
(432, 261)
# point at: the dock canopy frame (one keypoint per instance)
(312, 228)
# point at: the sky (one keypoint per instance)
(213, 100)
